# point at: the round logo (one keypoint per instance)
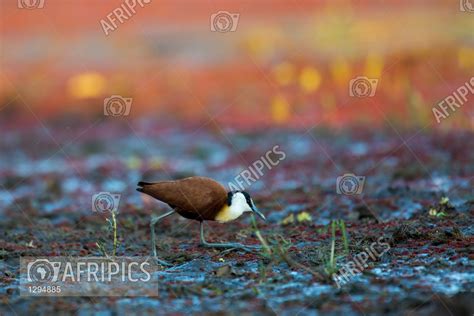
(467, 6)
(41, 271)
(349, 185)
(103, 203)
(30, 4)
(361, 87)
(116, 106)
(223, 22)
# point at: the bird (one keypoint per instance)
(201, 199)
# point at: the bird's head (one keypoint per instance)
(242, 201)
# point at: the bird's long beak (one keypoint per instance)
(260, 214)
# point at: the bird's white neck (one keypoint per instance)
(237, 207)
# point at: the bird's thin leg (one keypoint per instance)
(204, 243)
(153, 222)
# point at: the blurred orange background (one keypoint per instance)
(288, 63)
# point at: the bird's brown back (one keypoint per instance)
(197, 198)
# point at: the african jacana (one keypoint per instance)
(201, 199)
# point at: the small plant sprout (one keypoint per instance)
(342, 227)
(112, 227)
(266, 248)
(330, 261)
(275, 250)
(330, 264)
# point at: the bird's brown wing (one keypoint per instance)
(193, 197)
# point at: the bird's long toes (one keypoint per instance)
(162, 262)
(250, 249)
(257, 247)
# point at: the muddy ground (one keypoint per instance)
(418, 197)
